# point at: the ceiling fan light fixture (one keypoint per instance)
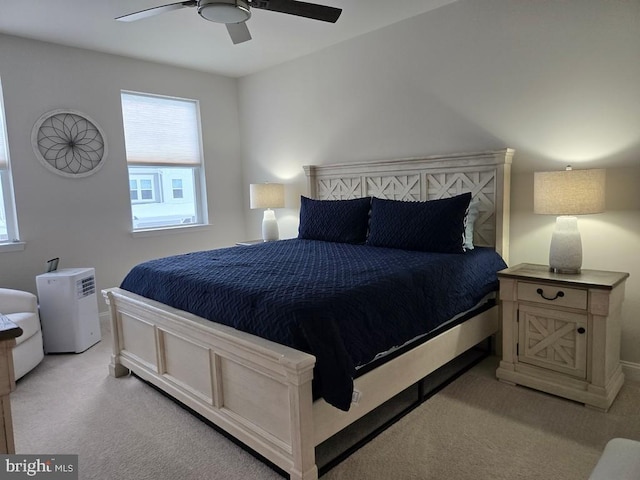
(224, 11)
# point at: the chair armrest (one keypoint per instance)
(16, 301)
(620, 460)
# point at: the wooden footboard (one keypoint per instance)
(257, 390)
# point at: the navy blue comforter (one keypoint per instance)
(342, 303)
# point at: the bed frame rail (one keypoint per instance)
(389, 379)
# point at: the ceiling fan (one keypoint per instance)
(234, 13)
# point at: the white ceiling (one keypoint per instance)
(183, 38)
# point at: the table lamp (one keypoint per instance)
(268, 196)
(568, 193)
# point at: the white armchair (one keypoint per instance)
(22, 309)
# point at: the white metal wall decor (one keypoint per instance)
(69, 143)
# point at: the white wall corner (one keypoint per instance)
(631, 370)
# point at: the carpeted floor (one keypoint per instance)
(475, 428)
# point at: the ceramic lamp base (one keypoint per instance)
(565, 253)
(270, 226)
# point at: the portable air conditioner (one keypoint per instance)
(68, 310)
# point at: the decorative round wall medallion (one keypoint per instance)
(69, 143)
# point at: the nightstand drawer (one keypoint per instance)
(552, 295)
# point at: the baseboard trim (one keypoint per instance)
(631, 370)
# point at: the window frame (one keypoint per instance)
(198, 174)
(12, 242)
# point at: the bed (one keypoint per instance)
(262, 392)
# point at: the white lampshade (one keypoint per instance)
(267, 195)
(567, 193)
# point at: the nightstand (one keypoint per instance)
(561, 333)
(250, 242)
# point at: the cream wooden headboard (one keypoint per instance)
(486, 175)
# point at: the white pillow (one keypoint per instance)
(469, 221)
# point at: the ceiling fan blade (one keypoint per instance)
(301, 9)
(239, 32)
(150, 12)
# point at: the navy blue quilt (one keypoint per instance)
(342, 303)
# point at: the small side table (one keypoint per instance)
(250, 242)
(8, 333)
(561, 333)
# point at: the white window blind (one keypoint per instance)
(161, 130)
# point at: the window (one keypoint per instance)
(166, 177)
(8, 219)
(176, 185)
(143, 187)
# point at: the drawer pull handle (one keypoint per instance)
(558, 295)
(581, 330)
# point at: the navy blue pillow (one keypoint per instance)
(433, 226)
(344, 221)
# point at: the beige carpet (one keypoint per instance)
(476, 428)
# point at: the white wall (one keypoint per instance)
(556, 80)
(87, 221)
